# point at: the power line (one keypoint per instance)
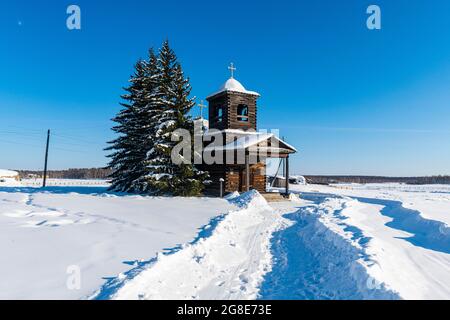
(40, 146)
(70, 140)
(20, 143)
(74, 138)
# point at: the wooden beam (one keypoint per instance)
(287, 175)
(247, 172)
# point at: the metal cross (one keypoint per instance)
(232, 69)
(201, 105)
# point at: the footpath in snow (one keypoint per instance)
(229, 263)
(401, 234)
(333, 244)
(292, 250)
(319, 256)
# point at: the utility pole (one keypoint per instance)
(46, 159)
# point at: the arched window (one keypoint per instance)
(219, 114)
(242, 113)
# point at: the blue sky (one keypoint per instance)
(353, 101)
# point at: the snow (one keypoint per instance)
(250, 140)
(202, 123)
(8, 177)
(430, 200)
(404, 242)
(242, 142)
(378, 241)
(228, 264)
(314, 261)
(298, 179)
(232, 85)
(43, 233)
(212, 132)
(248, 133)
(8, 173)
(66, 183)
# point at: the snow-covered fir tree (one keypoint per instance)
(167, 177)
(127, 157)
(157, 103)
(148, 120)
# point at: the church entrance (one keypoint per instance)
(256, 178)
(243, 180)
(253, 178)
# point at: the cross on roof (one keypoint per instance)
(232, 69)
(201, 105)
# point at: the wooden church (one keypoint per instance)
(233, 115)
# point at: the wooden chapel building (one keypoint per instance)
(233, 117)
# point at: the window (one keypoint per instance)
(219, 114)
(242, 113)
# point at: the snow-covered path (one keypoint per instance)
(229, 264)
(330, 245)
(313, 261)
(375, 238)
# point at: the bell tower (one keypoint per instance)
(233, 107)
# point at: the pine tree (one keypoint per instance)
(167, 177)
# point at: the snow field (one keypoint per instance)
(336, 242)
(43, 233)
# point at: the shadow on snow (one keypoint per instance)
(426, 233)
(113, 284)
(311, 262)
(87, 190)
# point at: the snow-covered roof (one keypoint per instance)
(203, 122)
(233, 85)
(250, 139)
(212, 132)
(8, 173)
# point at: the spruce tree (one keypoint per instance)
(168, 177)
(148, 121)
(126, 159)
(187, 180)
(157, 102)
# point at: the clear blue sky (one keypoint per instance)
(353, 101)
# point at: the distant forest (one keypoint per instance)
(84, 173)
(374, 179)
(102, 173)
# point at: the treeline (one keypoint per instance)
(83, 173)
(104, 173)
(374, 179)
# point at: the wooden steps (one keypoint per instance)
(274, 197)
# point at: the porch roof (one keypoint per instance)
(256, 142)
